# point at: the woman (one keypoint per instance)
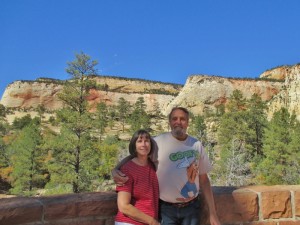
(138, 197)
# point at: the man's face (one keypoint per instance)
(179, 123)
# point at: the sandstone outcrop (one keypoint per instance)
(204, 93)
(30, 94)
(280, 87)
(201, 93)
(289, 95)
(278, 73)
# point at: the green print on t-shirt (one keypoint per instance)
(181, 155)
(189, 190)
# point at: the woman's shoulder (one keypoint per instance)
(128, 165)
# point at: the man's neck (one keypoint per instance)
(182, 137)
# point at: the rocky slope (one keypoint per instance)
(278, 73)
(289, 95)
(29, 94)
(200, 93)
(204, 93)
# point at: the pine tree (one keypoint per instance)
(2, 111)
(101, 118)
(197, 127)
(139, 117)
(4, 158)
(232, 136)
(237, 165)
(234, 128)
(280, 164)
(108, 159)
(156, 112)
(123, 108)
(293, 172)
(4, 127)
(237, 102)
(74, 159)
(257, 122)
(112, 115)
(41, 110)
(20, 123)
(27, 160)
(5, 164)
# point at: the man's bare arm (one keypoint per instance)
(208, 195)
(119, 177)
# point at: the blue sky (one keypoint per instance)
(160, 40)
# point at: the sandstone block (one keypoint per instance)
(276, 204)
(60, 207)
(78, 222)
(246, 203)
(241, 205)
(79, 205)
(262, 223)
(95, 204)
(297, 203)
(289, 222)
(20, 211)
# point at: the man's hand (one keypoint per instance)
(214, 220)
(119, 178)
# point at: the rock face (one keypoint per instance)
(201, 93)
(22, 94)
(282, 89)
(30, 94)
(278, 73)
(289, 95)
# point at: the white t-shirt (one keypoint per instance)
(179, 164)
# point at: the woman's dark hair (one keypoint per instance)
(135, 136)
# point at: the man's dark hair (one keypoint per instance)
(135, 136)
(180, 108)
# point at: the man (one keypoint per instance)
(182, 167)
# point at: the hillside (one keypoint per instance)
(201, 93)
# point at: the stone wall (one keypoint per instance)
(259, 205)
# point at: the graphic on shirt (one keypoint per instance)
(189, 190)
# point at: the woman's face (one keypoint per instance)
(143, 145)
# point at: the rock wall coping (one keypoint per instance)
(259, 205)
